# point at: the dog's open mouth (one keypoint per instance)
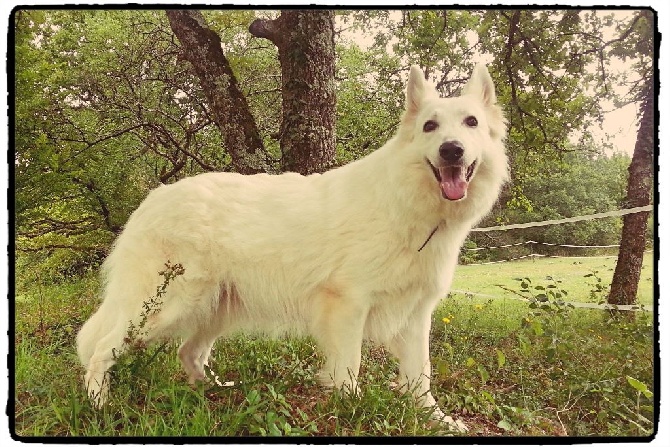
(453, 180)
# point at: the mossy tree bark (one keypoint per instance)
(306, 50)
(227, 105)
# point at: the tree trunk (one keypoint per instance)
(640, 179)
(306, 48)
(227, 105)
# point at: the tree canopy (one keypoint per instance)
(108, 106)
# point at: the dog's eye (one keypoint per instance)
(430, 126)
(471, 121)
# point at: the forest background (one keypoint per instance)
(110, 108)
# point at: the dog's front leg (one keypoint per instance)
(411, 347)
(338, 326)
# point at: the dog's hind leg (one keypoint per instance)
(194, 355)
(211, 321)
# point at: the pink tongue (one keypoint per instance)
(453, 185)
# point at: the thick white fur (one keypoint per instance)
(333, 255)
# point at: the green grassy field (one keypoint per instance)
(502, 367)
(487, 279)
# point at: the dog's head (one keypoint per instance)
(456, 135)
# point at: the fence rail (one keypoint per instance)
(621, 212)
(615, 213)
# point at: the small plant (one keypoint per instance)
(598, 290)
(152, 306)
(270, 414)
(134, 362)
(548, 310)
(548, 299)
(515, 418)
(637, 414)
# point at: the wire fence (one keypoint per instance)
(531, 244)
(544, 223)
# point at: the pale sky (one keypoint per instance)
(622, 124)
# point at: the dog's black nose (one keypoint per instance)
(451, 151)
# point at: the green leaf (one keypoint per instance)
(505, 425)
(483, 373)
(641, 387)
(524, 344)
(501, 358)
(486, 395)
(442, 367)
(253, 397)
(450, 349)
(470, 362)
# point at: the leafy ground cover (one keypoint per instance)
(505, 367)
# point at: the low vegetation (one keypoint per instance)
(505, 367)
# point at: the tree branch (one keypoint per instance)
(266, 29)
(67, 228)
(228, 106)
(104, 209)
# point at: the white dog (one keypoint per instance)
(366, 250)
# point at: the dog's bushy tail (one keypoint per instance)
(127, 282)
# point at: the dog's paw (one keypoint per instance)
(438, 418)
(350, 386)
(455, 424)
(97, 389)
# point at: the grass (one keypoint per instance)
(487, 279)
(504, 368)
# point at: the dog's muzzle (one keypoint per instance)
(452, 174)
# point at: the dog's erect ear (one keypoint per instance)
(481, 85)
(417, 88)
(418, 91)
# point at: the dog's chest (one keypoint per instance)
(410, 272)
